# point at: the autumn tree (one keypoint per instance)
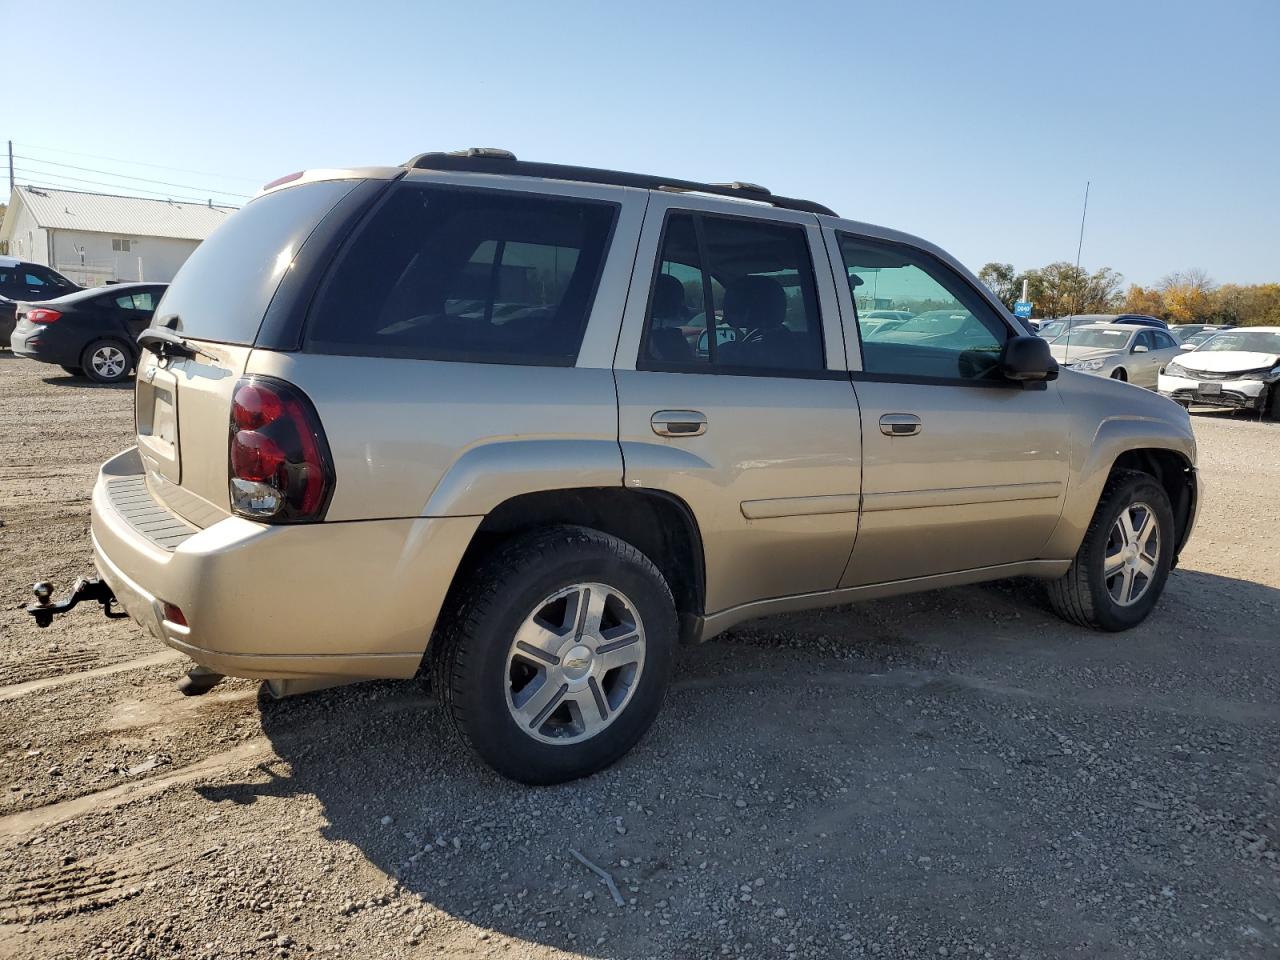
(1145, 300)
(1187, 295)
(1003, 281)
(1063, 288)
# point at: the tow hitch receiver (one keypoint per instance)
(86, 588)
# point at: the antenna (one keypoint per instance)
(1083, 213)
(1066, 353)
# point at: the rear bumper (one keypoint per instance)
(334, 600)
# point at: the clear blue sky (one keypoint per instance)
(974, 124)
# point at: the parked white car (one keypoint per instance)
(1119, 351)
(1237, 368)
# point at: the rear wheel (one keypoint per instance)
(554, 659)
(106, 361)
(1121, 567)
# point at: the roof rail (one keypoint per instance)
(494, 160)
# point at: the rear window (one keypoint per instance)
(224, 288)
(474, 275)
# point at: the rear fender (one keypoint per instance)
(492, 473)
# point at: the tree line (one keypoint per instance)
(1184, 296)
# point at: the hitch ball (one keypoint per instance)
(43, 591)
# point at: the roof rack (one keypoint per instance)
(494, 160)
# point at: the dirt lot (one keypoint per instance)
(956, 774)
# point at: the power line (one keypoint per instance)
(56, 182)
(138, 163)
(125, 176)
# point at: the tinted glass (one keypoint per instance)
(224, 288)
(474, 275)
(947, 332)
(759, 278)
(1145, 339)
(1164, 341)
(136, 301)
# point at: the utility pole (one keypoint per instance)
(1084, 213)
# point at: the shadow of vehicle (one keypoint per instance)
(80, 381)
(957, 768)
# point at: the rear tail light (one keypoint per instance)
(279, 464)
(42, 315)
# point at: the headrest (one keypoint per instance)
(755, 303)
(668, 297)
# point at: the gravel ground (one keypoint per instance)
(952, 774)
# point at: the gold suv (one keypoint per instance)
(524, 427)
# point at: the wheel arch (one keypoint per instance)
(657, 523)
(1155, 446)
(1175, 473)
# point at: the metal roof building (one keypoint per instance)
(95, 237)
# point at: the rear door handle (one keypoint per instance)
(899, 424)
(679, 423)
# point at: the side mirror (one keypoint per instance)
(1141, 348)
(1028, 359)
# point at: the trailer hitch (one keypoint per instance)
(86, 588)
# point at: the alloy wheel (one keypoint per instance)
(574, 663)
(1133, 553)
(108, 362)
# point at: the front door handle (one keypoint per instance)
(679, 423)
(899, 424)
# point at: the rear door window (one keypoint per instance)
(472, 275)
(751, 281)
(224, 288)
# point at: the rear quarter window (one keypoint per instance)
(440, 273)
(222, 292)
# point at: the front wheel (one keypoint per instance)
(1121, 567)
(106, 361)
(1119, 374)
(554, 658)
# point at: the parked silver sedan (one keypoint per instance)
(1121, 352)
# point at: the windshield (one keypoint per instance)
(1051, 330)
(1108, 339)
(1246, 341)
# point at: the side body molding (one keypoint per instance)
(491, 473)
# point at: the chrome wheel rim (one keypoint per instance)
(574, 663)
(108, 361)
(1133, 553)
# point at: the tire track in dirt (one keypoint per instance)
(15, 690)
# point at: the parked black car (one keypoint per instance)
(1052, 329)
(93, 332)
(20, 280)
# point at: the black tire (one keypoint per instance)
(96, 369)
(1274, 405)
(74, 371)
(1119, 374)
(1082, 596)
(470, 670)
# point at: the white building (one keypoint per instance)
(92, 237)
